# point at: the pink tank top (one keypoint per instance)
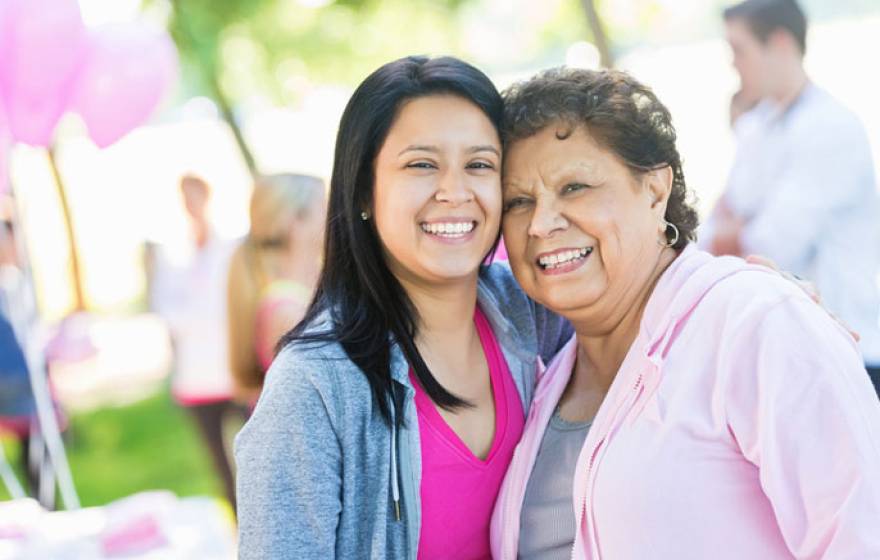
(458, 489)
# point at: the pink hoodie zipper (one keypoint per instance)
(585, 513)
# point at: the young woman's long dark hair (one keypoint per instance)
(368, 307)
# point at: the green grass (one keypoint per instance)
(115, 452)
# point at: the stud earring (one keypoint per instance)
(365, 216)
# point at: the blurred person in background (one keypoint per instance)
(20, 326)
(273, 273)
(16, 316)
(187, 288)
(802, 190)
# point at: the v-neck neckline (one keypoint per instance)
(441, 427)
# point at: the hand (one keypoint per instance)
(728, 229)
(808, 288)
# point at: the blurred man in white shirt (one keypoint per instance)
(802, 189)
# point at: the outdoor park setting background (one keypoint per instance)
(282, 70)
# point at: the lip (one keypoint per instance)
(456, 239)
(539, 256)
(565, 268)
(569, 266)
(450, 220)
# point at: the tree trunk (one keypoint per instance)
(211, 76)
(600, 38)
(228, 116)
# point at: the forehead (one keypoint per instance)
(436, 115)
(551, 145)
(555, 152)
(738, 32)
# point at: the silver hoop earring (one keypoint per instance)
(675, 236)
(365, 216)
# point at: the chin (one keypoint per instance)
(563, 302)
(454, 269)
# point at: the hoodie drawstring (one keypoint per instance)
(395, 475)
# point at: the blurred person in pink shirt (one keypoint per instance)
(273, 273)
(705, 407)
(187, 288)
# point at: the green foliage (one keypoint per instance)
(278, 47)
(152, 444)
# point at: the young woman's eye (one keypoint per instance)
(515, 203)
(421, 165)
(480, 165)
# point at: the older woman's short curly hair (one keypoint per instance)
(619, 112)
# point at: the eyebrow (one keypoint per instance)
(435, 149)
(513, 184)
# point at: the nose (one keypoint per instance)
(454, 188)
(546, 220)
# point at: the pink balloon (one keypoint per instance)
(41, 52)
(5, 149)
(128, 69)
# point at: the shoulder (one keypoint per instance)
(310, 377)
(498, 279)
(753, 288)
(833, 121)
(758, 308)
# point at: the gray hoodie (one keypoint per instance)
(322, 475)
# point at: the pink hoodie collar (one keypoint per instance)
(680, 288)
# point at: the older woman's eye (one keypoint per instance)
(573, 187)
(515, 203)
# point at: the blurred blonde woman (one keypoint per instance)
(273, 273)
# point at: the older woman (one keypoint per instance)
(705, 408)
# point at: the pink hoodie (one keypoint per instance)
(741, 426)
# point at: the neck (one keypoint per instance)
(446, 313)
(791, 87)
(201, 232)
(604, 343)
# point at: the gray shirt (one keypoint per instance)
(547, 523)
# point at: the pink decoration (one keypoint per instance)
(135, 536)
(128, 68)
(5, 149)
(41, 51)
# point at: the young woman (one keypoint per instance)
(388, 419)
(273, 273)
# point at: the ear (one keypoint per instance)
(659, 185)
(780, 40)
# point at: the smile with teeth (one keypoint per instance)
(449, 230)
(549, 262)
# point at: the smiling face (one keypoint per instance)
(437, 192)
(582, 231)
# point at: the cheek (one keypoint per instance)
(620, 231)
(515, 230)
(636, 244)
(488, 193)
(396, 201)
(389, 212)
